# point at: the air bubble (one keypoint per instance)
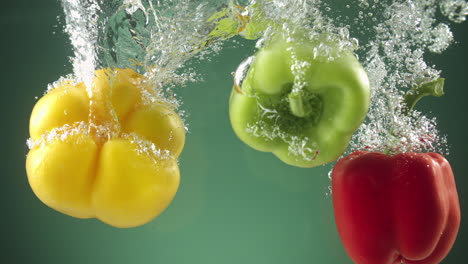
(242, 71)
(455, 10)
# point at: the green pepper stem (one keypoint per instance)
(297, 106)
(434, 88)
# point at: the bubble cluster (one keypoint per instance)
(455, 10)
(59, 133)
(147, 148)
(394, 61)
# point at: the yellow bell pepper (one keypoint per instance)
(108, 152)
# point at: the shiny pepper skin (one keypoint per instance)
(98, 157)
(395, 209)
(329, 107)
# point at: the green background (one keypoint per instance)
(234, 205)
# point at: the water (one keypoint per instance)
(234, 205)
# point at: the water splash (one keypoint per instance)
(82, 26)
(391, 38)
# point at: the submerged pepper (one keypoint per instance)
(305, 121)
(109, 152)
(395, 209)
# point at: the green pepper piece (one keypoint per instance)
(305, 122)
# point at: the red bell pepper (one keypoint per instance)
(395, 209)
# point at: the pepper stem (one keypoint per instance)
(434, 88)
(297, 105)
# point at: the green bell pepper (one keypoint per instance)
(301, 100)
